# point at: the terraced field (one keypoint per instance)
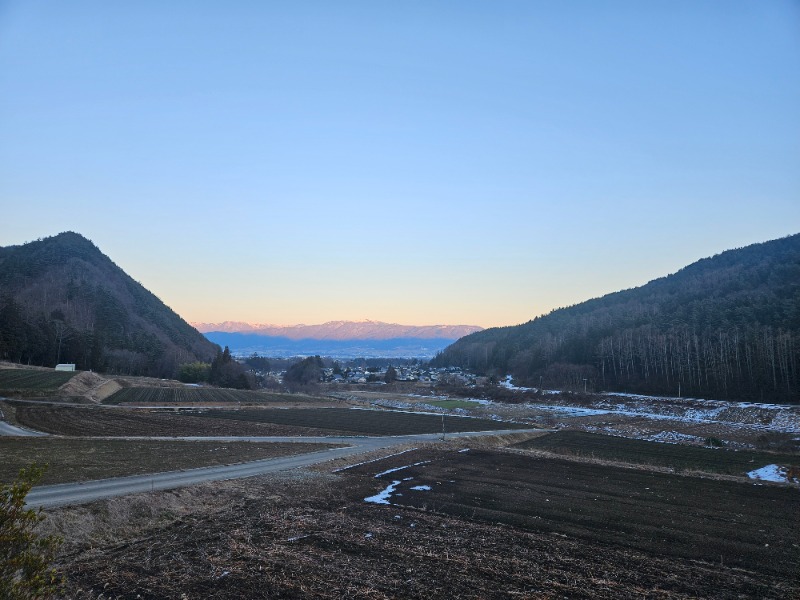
(366, 422)
(192, 395)
(675, 456)
(117, 421)
(33, 380)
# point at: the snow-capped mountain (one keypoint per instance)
(343, 330)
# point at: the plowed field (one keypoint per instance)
(33, 380)
(493, 525)
(367, 422)
(97, 421)
(674, 456)
(192, 395)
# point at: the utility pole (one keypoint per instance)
(584, 385)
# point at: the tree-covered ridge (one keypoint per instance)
(62, 300)
(724, 327)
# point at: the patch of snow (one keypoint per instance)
(770, 473)
(463, 450)
(383, 497)
(571, 411)
(422, 488)
(506, 383)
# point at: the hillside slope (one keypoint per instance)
(62, 300)
(724, 327)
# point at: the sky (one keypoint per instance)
(416, 162)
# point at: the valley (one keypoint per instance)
(587, 499)
(560, 458)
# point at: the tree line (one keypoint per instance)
(727, 327)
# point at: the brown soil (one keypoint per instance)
(96, 421)
(294, 536)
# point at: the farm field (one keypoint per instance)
(736, 524)
(493, 525)
(364, 422)
(82, 460)
(200, 395)
(27, 380)
(451, 404)
(675, 456)
(106, 421)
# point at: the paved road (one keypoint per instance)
(9, 429)
(87, 491)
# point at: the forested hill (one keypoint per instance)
(724, 327)
(62, 300)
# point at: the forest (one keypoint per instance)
(63, 301)
(725, 327)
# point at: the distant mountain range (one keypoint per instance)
(62, 300)
(724, 327)
(343, 330)
(339, 339)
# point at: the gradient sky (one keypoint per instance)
(413, 162)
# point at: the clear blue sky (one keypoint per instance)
(414, 162)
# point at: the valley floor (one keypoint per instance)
(595, 505)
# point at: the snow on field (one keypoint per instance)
(387, 471)
(383, 497)
(673, 437)
(422, 488)
(770, 473)
(766, 417)
(373, 460)
(571, 411)
(506, 383)
(407, 407)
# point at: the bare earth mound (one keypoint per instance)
(90, 386)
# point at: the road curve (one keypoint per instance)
(9, 429)
(49, 496)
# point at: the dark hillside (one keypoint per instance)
(724, 327)
(62, 300)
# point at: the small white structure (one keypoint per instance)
(65, 367)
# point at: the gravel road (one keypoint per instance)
(87, 491)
